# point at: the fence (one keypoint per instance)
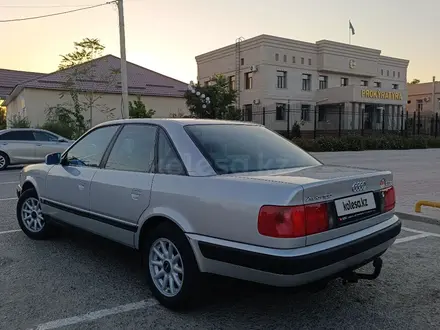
(315, 121)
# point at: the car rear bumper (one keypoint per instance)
(292, 267)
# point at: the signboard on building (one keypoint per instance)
(375, 94)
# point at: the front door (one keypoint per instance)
(67, 193)
(120, 192)
(19, 145)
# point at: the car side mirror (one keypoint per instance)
(53, 159)
(62, 140)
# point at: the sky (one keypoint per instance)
(166, 35)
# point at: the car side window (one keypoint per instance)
(43, 136)
(134, 149)
(168, 161)
(24, 135)
(89, 150)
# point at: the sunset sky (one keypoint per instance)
(166, 35)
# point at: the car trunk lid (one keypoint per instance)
(353, 196)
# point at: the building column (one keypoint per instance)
(361, 117)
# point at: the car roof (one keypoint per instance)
(173, 122)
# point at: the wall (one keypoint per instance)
(423, 92)
(37, 101)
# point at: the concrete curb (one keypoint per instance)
(418, 218)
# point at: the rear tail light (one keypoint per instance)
(292, 221)
(389, 197)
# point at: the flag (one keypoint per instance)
(350, 26)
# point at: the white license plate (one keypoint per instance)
(355, 204)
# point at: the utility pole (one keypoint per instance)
(124, 83)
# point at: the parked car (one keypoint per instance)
(28, 146)
(210, 196)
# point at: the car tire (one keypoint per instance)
(179, 267)
(4, 161)
(30, 217)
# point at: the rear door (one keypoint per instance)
(19, 145)
(47, 143)
(120, 191)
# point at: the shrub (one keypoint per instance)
(18, 121)
(358, 143)
(59, 128)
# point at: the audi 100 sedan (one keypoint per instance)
(210, 196)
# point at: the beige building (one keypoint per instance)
(424, 97)
(33, 97)
(326, 85)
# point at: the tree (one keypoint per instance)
(216, 100)
(415, 81)
(137, 109)
(81, 69)
(2, 117)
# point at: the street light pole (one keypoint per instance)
(124, 83)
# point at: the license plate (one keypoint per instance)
(355, 204)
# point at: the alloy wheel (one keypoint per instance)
(166, 267)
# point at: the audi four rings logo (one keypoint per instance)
(359, 186)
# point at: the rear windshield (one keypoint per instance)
(246, 148)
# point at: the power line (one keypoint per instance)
(44, 6)
(55, 14)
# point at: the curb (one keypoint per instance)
(418, 218)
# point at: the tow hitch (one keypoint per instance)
(354, 277)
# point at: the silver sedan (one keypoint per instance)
(209, 196)
(20, 146)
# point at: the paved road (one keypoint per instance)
(80, 281)
(416, 173)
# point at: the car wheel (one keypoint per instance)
(171, 268)
(30, 217)
(4, 161)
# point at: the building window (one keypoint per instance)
(306, 82)
(310, 61)
(281, 79)
(285, 58)
(232, 85)
(302, 60)
(377, 84)
(293, 59)
(305, 112)
(344, 81)
(419, 105)
(277, 57)
(323, 82)
(381, 72)
(394, 73)
(280, 111)
(248, 111)
(248, 80)
(395, 86)
(398, 74)
(364, 83)
(242, 61)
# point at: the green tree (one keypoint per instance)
(82, 68)
(415, 81)
(137, 109)
(216, 100)
(2, 117)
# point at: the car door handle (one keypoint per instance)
(38, 144)
(135, 194)
(81, 186)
